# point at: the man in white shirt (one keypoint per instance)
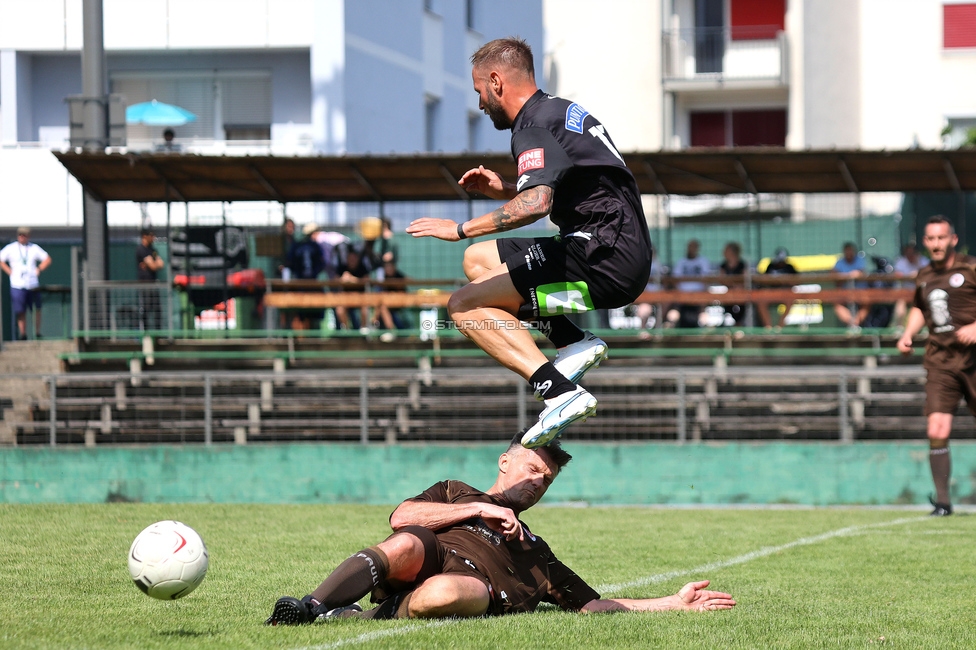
(23, 262)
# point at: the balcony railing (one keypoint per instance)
(720, 54)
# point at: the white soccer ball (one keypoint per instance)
(168, 560)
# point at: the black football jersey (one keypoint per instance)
(560, 144)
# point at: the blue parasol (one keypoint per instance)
(157, 113)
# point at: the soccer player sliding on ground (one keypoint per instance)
(570, 170)
(458, 551)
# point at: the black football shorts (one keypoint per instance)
(555, 276)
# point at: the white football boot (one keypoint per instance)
(575, 359)
(560, 412)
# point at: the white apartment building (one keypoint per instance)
(297, 77)
(868, 74)
(285, 77)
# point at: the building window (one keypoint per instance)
(762, 128)
(708, 129)
(959, 132)
(431, 114)
(757, 19)
(959, 25)
(469, 17)
(474, 131)
(247, 132)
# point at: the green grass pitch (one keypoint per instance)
(804, 578)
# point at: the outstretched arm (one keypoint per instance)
(441, 515)
(693, 596)
(524, 208)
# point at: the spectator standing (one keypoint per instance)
(693, 265)
(305, 262)
(733, 264)
(148, 265)
(851, 265)
(907, 267)
(287, 241)
(24, 261)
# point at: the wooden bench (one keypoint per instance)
(733, 296)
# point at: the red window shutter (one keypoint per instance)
(757, 19)
(959, 25)
(759, 128)
(708, 129)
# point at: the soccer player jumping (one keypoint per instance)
(570, 170)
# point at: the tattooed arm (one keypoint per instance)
(527, 207)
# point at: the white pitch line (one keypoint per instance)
(640, 582)
(380, 634)
(754, 555)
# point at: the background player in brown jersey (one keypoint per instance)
(945, 302)
(458, 551)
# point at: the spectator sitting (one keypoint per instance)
(734, 265)
(650, 313)
(851, 265)
(388, 248)
(907, 266)
(354, 270)
(392, 319)
(693, 265)
(779, 265)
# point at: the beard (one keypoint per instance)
(497, 114)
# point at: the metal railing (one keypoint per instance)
(718, 54)
(111, 306)
(384, 406)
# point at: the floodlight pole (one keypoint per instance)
(94, 91)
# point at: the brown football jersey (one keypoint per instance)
(520, 573)
(947, 298)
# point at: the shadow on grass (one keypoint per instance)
(187, 633)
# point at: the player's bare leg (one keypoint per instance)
(480, 258)
(939, 428)
(446, 595)
(578, 351)
(483, 311)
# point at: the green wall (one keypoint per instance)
(748, 473)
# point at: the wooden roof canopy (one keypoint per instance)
(168, 177)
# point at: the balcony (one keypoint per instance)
(722, 57)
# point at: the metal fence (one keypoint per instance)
(126, 306)
(681, 405)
